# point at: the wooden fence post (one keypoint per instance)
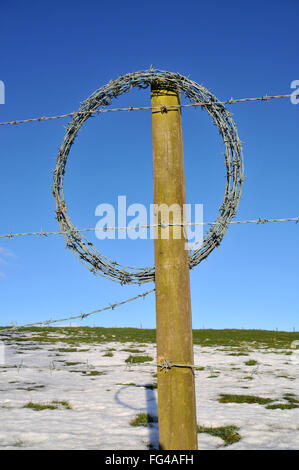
(176, 390)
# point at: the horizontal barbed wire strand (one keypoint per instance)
(252, 221)
(164, 365)
(81, 316)
(132, 108)
(116, 304)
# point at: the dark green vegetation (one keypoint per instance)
(226, 398)
(93, 373)
(292, 402)
(67, 350)
(228, 433)
(238, 354)
(143, 419)
(290, 397)
(132, 350)
(108, 354)
(31, 388)
(251, 362)
(54, 405)
(282, 406)
(74, 336)
(136, 359)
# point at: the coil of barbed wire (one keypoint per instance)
(83, 249)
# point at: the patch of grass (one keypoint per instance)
(235, 350)
(238, 354)
(251, 362)
(230, 338)
(132, 350)
(137, 359)
(144, 419)
(71, 363)
(237, 338)
(229, 434)
(54, 405)
(248, 377)
(40, 406)
(227, 398)
(31, 388)
(199, 368)
(290, 397)
(283, 376)
(108, 354)
(65, 350)
(63, 403)
(282, 406)
(92, 373)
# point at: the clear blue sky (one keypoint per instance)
(53, 56)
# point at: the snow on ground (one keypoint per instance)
(102, 406)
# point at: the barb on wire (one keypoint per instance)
(167, 365)
(11, 235)
(81, 316)
(140, 108)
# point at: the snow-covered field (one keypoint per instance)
(104, 395)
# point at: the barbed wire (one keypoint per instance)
(140, 108)
(81, 247)
(164, 365)
(117, 304)
(81, 316)
(234, 165)
(42, 233)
